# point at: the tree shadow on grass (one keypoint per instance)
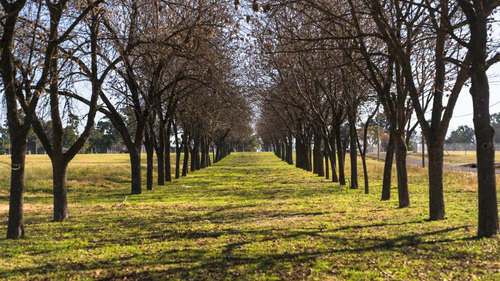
(231, 264)
(231, 259)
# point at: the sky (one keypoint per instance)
(462, 115)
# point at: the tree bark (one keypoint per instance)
(301, 154)
(319, 168)
(477, 13)
(59, 172)
(160, 156)
(15, 227)
(389, 158)
(209, 162)
(436, 198)
(289, 150)
(353, 155)
(168, 168)
(403, 191)
(203, 159)
(135, 166)
(218, 152)
(193, 157)
(185, 141)
(487, 195)
(149, 162)
(338, 140)
(333, 158)
(434, 140)
(309, 154)
(18, 132)
(327, 166)
(283, 151)
(277, 150)
(365, 172)
(177, 153)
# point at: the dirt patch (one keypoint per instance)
(4, 208)
(31, 207)
(474, 165)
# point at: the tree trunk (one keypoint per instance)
(365, 173)
(135, 166)
(333, 158)
(178, 161)
(193, 157)
(353, 155)
(327, 166)
(277, 150)
(185, 140)
(168, 168)
(338, 140)
(149, 162)
(436, 200)
(196, 157)
(480, 92)
(300, 154)
(319, 168)
(403, 191)
(289, 151)
(218, 152)
(209, 162)
(309, 154)
(15, 227)
(59, 171)
(177, 153)
(203, 161)
(160, 156)
(487, 195)
(389, 158)
(283, 151)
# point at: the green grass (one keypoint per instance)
(250, 217)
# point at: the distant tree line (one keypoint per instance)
(463, 134)
(466, 134)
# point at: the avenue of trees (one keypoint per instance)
(145, 72)
(328, 76)
(330, 67)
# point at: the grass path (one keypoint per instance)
(250, 217)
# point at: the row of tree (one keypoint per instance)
(330, 66)
(465, 134)
(156, 70)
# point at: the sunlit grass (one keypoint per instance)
(456, 157)
(250, 217)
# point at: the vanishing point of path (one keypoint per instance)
(253, 217)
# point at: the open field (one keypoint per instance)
(455, 157)
(250, 217)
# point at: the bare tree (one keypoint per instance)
(26, 71)
(53, 141)
(18, 130)
(477, 14)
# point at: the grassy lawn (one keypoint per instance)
(249, 217)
